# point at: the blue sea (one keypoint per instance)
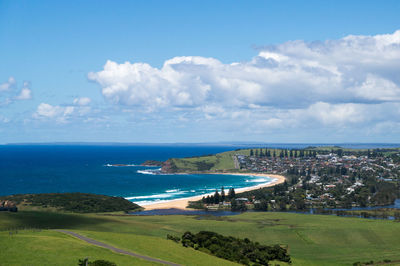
(87, 168)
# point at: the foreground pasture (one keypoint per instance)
(311, 239)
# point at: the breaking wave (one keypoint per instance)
(149, 171)
(258, 180)
(120, 165)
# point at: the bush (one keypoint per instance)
(85, 261)
(243, 251)
(102, 263)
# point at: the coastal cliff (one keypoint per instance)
(152, 163)
(169, 167)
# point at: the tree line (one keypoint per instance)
(292, 153)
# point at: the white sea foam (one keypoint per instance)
(149, 171)
(148, 202)
(172, 190)
(257, 180)
(158, 196)
(146, 172)
(121, 165)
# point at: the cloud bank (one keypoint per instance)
(350, 81)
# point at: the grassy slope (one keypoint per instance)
(312, 239)
(221, 161)
(53, 248)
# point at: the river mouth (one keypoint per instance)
(174, 211)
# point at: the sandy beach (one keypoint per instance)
(182, 203)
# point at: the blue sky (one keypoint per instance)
(199, 71)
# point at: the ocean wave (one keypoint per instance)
(157, 196)
(258, 180)
(148, 202)
(149, 171)
(172, 190)
(120, 165)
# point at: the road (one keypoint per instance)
(103, 245)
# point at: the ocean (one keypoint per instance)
(86, 168)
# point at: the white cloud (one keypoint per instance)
(352, 82)
(50, 111)
(358, 69)
(9, 92)
(82, 101)
(8, 84)
(63, 114)
(25, 93)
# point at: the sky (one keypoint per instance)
(200, 71)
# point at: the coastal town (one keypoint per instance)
(324, 178)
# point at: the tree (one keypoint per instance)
(251, 152)
(285, 185)
(291, 154)
(274, 154)
(83, 262)
(216, 197)
(222, 194)
(256, 153)
(262, 206)
(231, 193)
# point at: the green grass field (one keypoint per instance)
(47, 247)
(311, 239)
(219, 162)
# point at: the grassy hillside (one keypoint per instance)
(46, 247)
(311, 239)
(209, 163)
(72, 202)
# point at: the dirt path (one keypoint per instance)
(103, 245)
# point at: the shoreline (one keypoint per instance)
(183, 202)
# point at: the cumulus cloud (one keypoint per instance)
(63, 114)
(9, 92)
(356, 69)
(10, 83)
(25, 93)
(334, 82)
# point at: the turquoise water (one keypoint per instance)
(69, 168)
